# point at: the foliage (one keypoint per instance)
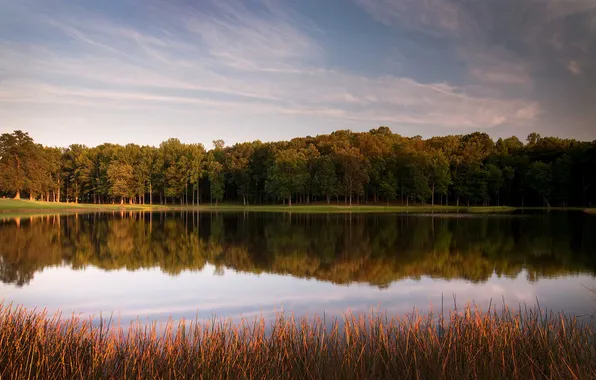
(369, 166)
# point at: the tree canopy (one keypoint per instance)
(344, 166)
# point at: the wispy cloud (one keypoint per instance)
(430, 16)
(513, 48)
(258, 59)
(574, 68)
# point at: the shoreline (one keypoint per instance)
(11, 207)
(26, 207)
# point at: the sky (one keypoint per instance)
(142, 71)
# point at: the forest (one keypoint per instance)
(375, 167)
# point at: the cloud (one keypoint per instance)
(574, 68)
(514, 48)
(431, 16)
(257, 60)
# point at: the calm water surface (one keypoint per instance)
(161, 265)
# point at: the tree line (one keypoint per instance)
(342, 167)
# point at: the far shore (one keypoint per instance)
(21, 207)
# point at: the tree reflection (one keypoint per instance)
(341, 248)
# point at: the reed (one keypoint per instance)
(469, 344)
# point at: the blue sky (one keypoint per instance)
(74, 71)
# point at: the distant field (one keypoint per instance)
(11, 206)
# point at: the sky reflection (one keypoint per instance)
(151, 295)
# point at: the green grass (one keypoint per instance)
(21, 207)
(466, 345)
(359, 209)
(22, 204)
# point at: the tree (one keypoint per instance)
(324, 181)
(416, 184)
(494, 182)
(539, 178)
(121, 179)
(440, 176)
(216, 178)
(353, 166)
(17, 154)
(388, 188)
(562, 178)
(288, 175)
(52, 158)
(175, 172)
(370, 165)
(197, 170)
(237, 162)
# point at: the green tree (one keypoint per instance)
(197, 169)
(388, 188)
(288, 175)
(325, 183)
(17, 153)
(216, 178)
(121, 179)
(440, 176)
(495, 182)
(539, 179)
(354, 169)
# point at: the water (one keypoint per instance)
(155, 266)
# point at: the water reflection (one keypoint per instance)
(338, 248)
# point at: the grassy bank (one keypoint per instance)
(472, 345)
(357, 209)
(590, 210)
(11, 206)
(21, 205)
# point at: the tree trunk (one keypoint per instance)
(433, 196)
(18, 195)
(290, 201)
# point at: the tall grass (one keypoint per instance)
(465, 345)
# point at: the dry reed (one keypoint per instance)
(470, 344)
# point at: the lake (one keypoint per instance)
(153, 266)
